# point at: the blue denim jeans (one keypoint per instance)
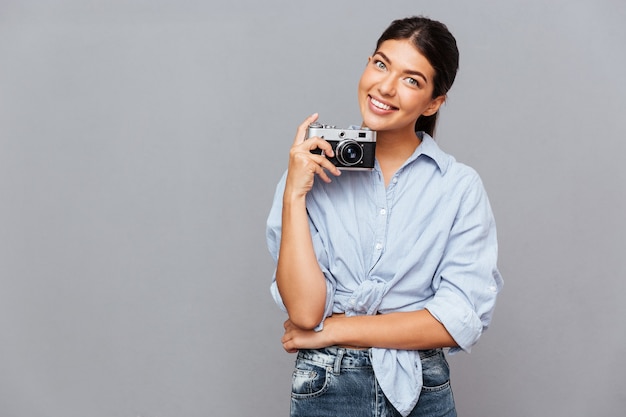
(339, 382)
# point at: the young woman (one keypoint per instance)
(379, 270)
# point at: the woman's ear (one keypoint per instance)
(434, 105)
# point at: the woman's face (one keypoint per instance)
(396, 88)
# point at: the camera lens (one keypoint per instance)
(349, 152)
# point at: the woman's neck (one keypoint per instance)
(392, 151)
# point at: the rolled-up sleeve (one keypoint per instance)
(467, 281)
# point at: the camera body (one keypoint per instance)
(354, 148)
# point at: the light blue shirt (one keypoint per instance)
(427, 241)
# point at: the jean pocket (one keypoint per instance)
(309, 380)
(435, 372)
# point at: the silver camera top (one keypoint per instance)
(332, 133)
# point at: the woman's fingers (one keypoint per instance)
(302, 129)
(304, 164)
(301, 155)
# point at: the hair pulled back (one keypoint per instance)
(433, 40)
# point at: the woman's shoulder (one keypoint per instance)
(462, 170)
(449, 166)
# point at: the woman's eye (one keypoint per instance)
(380, 64)
(412, 81)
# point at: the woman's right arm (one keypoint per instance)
(299, 279)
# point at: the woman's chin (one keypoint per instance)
(374, 123)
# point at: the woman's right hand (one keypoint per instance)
(304, 165)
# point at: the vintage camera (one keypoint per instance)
(354, 148)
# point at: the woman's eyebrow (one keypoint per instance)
(411, 72)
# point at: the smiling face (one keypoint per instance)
(396, 88)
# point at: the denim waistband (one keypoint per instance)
(347, 358)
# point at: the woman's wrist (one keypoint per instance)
(332, 328)
(290, 197)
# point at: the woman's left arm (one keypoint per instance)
(415, 330)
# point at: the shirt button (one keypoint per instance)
(383, 212)
(395, 180)
(379, 246)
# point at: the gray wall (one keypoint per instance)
(140, 142)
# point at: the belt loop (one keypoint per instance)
(338, 359)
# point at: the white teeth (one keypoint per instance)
(380, 105)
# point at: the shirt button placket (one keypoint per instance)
(381, 222)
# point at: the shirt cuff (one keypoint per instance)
(458, 318)
(276, 296)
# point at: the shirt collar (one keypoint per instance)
(428, 147)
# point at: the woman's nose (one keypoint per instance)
(386, 86)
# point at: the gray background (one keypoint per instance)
(140, 143)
